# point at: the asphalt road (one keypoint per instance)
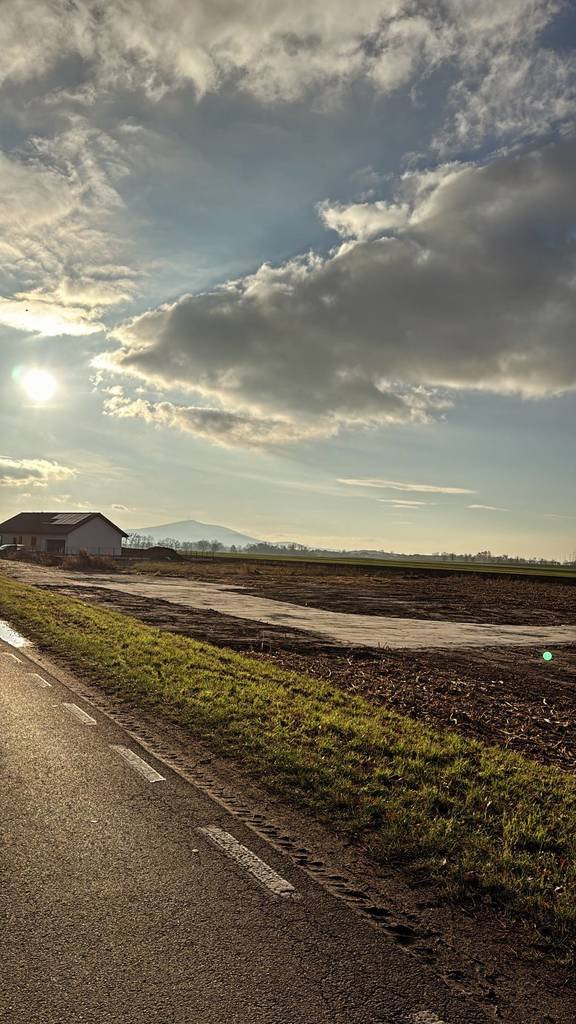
(116, 907)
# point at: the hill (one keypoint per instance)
(191, 530)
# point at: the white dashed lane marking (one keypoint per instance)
(8, 654)
(39, 680)
(138, 763)
(256, 867)
(81, 715)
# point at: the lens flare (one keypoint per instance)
(547, 655)
(39, 385)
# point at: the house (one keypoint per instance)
(63, 532)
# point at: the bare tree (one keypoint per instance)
(138, 540)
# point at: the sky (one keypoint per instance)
(305, 270)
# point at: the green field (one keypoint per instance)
(476, 819)
(568, 572)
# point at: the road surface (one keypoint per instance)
(127, 895)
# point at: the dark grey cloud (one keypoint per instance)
(472, 287)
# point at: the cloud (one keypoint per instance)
(65, 256)
(121, 508)
(31, 192)
(363, 220)
(404, 504)
(270, 49)
(277, 51)
(513, 88)
(32, 472)
(489, 508)
(476, 292)
(60, 255)
(222, 428)
(397, 485)
(555, 515)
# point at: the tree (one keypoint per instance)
(139, 540)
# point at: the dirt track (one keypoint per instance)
(344, 628)
(408, 593)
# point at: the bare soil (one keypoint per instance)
(411, 593)
(507, 696)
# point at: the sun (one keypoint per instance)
(39, 385)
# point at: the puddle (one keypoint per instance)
(11, 636)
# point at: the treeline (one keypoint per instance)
(140, 540)
(136, 540)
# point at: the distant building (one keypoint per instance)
(63, 532)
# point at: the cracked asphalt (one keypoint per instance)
(114, 907)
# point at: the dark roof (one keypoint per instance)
(60, 523)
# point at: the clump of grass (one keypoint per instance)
(474, 816)
(85, 562)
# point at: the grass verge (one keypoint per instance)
(477, 818)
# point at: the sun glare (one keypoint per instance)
(39, 385)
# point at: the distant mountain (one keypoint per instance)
(191, 530)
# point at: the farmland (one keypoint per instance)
(430, 590)
(497, 694)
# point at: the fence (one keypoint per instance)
(150, 553)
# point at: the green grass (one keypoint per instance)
(476, 818)
(179, 568)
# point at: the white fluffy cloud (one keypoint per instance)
(364, 220)
(476, 290)
(59, 251)
(273, 49)
(276, 50)
(32, 472)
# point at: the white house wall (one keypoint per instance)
(97, 537)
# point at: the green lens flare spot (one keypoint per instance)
(547, 655)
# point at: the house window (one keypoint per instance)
(32, 542)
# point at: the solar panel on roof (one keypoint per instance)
(69, 518)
